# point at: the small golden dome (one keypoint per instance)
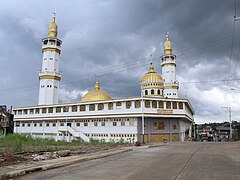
(96, 95)
(167, 46)
(152, 76)
(53, 28)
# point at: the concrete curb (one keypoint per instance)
(53, 165)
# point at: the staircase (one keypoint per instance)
(76, 134)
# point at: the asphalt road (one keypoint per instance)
(171, 161)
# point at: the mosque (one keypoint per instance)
(156, 115)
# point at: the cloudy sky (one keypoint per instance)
(111, 40)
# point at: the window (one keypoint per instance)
(58, 109)
(25, 111)
(40, 124)
(154, 104)
(23, 124)
(100, 106)
(54, 124)
(102, 123)
(78, 124)
(95, 123)
(128, 104)
(29, 124)
(61, 124)
(65, 109)
(174, 105)
(137, 104)
(44, 110)
(110, 106)
(180, 105)
(168, 105)
(122, 123)
(74, 108)
(118, 104)
(147, 104)
(159, 125)
(152, 91)
(114, 123)
(85, 124)
(47, 124)
(174, 127)
(82, 108)
(146, 92)
(158, 92)
(50, 110)
(35, 124)
(92, 107)
(19, 112)
(31, 111)
(160, 104)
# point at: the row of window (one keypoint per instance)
(153, 92)
(100, 106)
(53, 124)
(51, 42)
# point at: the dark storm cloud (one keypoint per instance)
(111, 41)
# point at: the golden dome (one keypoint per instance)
(151, 76)
(96, 95)
(167, 46)
(53, 28)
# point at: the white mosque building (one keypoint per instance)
(157, 115)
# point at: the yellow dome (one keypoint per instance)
(96, 95)
(152, 76)
(53, 28)
(167, 46)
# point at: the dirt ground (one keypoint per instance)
(8, 158)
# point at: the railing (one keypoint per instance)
(76, 134)
(41, 73)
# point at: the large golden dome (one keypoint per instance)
(96, 95)
(151, 76)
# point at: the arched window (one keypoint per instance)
(82, 108)
(154, 104)
(180, 105)
(168, 105)
(146, 92)
(147, 104)
(158, 91)
(160, 104)
(110, 106)
(74, 108)
(137, 104)
(174, 105)
(152, 91)
(100, 106)
(92, 107)
(118, 104)
(128, 104)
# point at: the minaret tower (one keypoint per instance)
(49, 75)
(168, 64)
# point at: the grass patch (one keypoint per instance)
(17, 143)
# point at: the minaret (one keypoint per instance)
(49, 75)
(168, 64)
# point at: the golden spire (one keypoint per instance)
(53, 27)
(167, 45)
(97, 85)
(151, 68)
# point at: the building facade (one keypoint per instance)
(156, 115)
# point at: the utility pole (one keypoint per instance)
(230, 119)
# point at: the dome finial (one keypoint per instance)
(53, 28)
(97, 85)
(151, 68)
(167, 45)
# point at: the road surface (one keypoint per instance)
(189, 160)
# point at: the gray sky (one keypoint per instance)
(112, 39)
